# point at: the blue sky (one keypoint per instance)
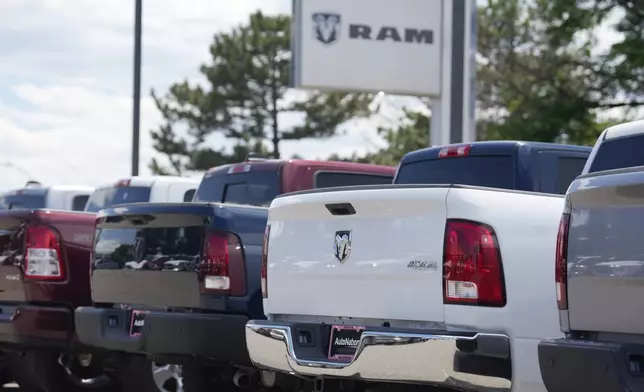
(66, 82)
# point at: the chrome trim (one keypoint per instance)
(419, 358)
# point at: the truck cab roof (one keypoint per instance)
(620, 130)
(491, 148)
(143, 189)
(36, 189)
(147, 181)
(259, 181)
(274, 163)
(618, 147)
(34, 195)
(525, 166)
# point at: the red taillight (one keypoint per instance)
(43, 255)
(267, 234)
(122, 183)
(561, 262)
(455, 151)
(472, 271)
(242, 168)
(222, 267)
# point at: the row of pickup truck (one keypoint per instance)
(491, 266)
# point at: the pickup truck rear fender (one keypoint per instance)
(170, 233)
(526, 227)
(606, 276)
(75, 232)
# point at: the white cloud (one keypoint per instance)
(66, 83)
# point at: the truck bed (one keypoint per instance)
(605, 256)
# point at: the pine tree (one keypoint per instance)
(248, 100)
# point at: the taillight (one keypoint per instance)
(122, 183)
(43, 255)
(264, 283)
(561, 262)
(222, 267)
(241, 168)
(455, 151)
(472, 270)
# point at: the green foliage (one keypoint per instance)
(628, 54)
(540, 76)
(412, 134)
(533, 80)
(246, 99)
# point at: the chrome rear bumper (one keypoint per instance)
(388, 356)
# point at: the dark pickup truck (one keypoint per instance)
(600, 272)
(516, 165)
(44, 260)
(174, 284)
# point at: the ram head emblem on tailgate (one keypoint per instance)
(342, 245)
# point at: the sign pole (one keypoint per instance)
(136, 104)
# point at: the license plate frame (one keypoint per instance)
(346, 353)
(135, 330)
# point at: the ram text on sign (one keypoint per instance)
(327, 31)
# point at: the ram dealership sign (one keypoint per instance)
(408, 47)
(385, 45)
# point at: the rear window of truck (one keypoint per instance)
(567, 170)
(174, 248)
(106, 197)
(248, 188)
(619, 153)
(79, 202)
(329, 179)
(22, 201)
(489, 171)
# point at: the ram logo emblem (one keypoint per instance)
(342, 245)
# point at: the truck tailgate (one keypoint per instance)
(143, 250)
(173, 255)
(370, 253)
(605, 253)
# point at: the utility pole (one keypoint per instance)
(136, 104)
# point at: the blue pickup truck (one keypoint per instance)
(174, 284)
(525, 166)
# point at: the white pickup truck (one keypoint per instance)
(438, 285)
(154, 189)
(55, 197)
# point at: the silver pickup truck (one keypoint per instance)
(599, 272)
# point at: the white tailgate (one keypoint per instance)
(391, 228)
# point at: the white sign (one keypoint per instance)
(409, 47)
(369, 45)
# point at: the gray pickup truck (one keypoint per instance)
(599, 272)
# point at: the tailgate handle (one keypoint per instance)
(341, 209)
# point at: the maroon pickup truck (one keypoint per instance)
(45, 258)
